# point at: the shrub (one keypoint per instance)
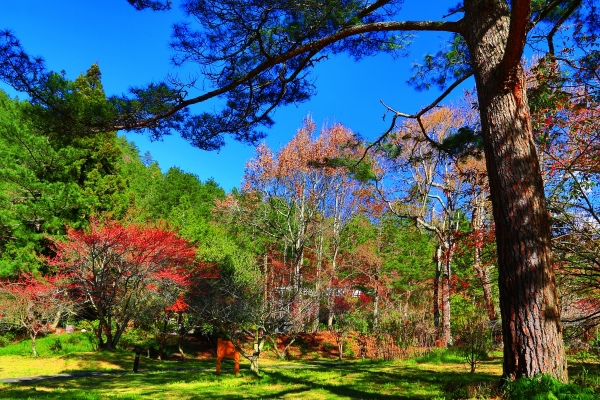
(474, 343)
(56, 345)
(546, 387)
(395, 335)
(326, 346)
(439, 356)
(348, 350)
(73, 338)
(139, 338)
(7, 339)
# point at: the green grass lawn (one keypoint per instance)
(440, 374)
(297, 380)
(421, 378)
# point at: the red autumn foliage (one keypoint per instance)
(341, 305)
(32, 304)
(118, 271)
(179, 306)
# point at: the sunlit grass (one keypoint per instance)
(298, 380)
(438, 375)
(74, 356)
(51, 345)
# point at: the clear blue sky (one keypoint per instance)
(131, 48)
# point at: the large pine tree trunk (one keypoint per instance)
(531, 327)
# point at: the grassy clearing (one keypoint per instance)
(428, 377)
(439, 374)
(65, 354)
(19, 366)
(297, 380)
(51, 345)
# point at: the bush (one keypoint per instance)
(395, 330)
(326, 346)
(474, 343)
(56, 345)
(7, 339)
(348, 350)
(139, 338)
(545, 387)
(439, 356)
(73, 338)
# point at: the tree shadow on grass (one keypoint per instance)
(396, 382)
(122, 386)
(352, 380)
(124, 361)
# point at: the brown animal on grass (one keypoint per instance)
(226, 349)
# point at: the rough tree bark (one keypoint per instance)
(529, 303)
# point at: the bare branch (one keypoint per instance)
(398, 114)
(565, 16)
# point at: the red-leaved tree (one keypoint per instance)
(33, 304)
(121, 272)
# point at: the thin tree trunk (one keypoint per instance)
(99, 333)
(282, 354)
(436, 292)
(266, 307)
(257, 346)
(446, 334)
(529, 303)
(180, 334)
(376, 306)
(56, 321)
(117, 336)
(483, 272)
(330, 315)
(162, 338)
(318, 283)
(33, 346)
(254, 365)
(109, 336)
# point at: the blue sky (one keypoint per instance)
(131, 48)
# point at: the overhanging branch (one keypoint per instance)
(311, 47)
